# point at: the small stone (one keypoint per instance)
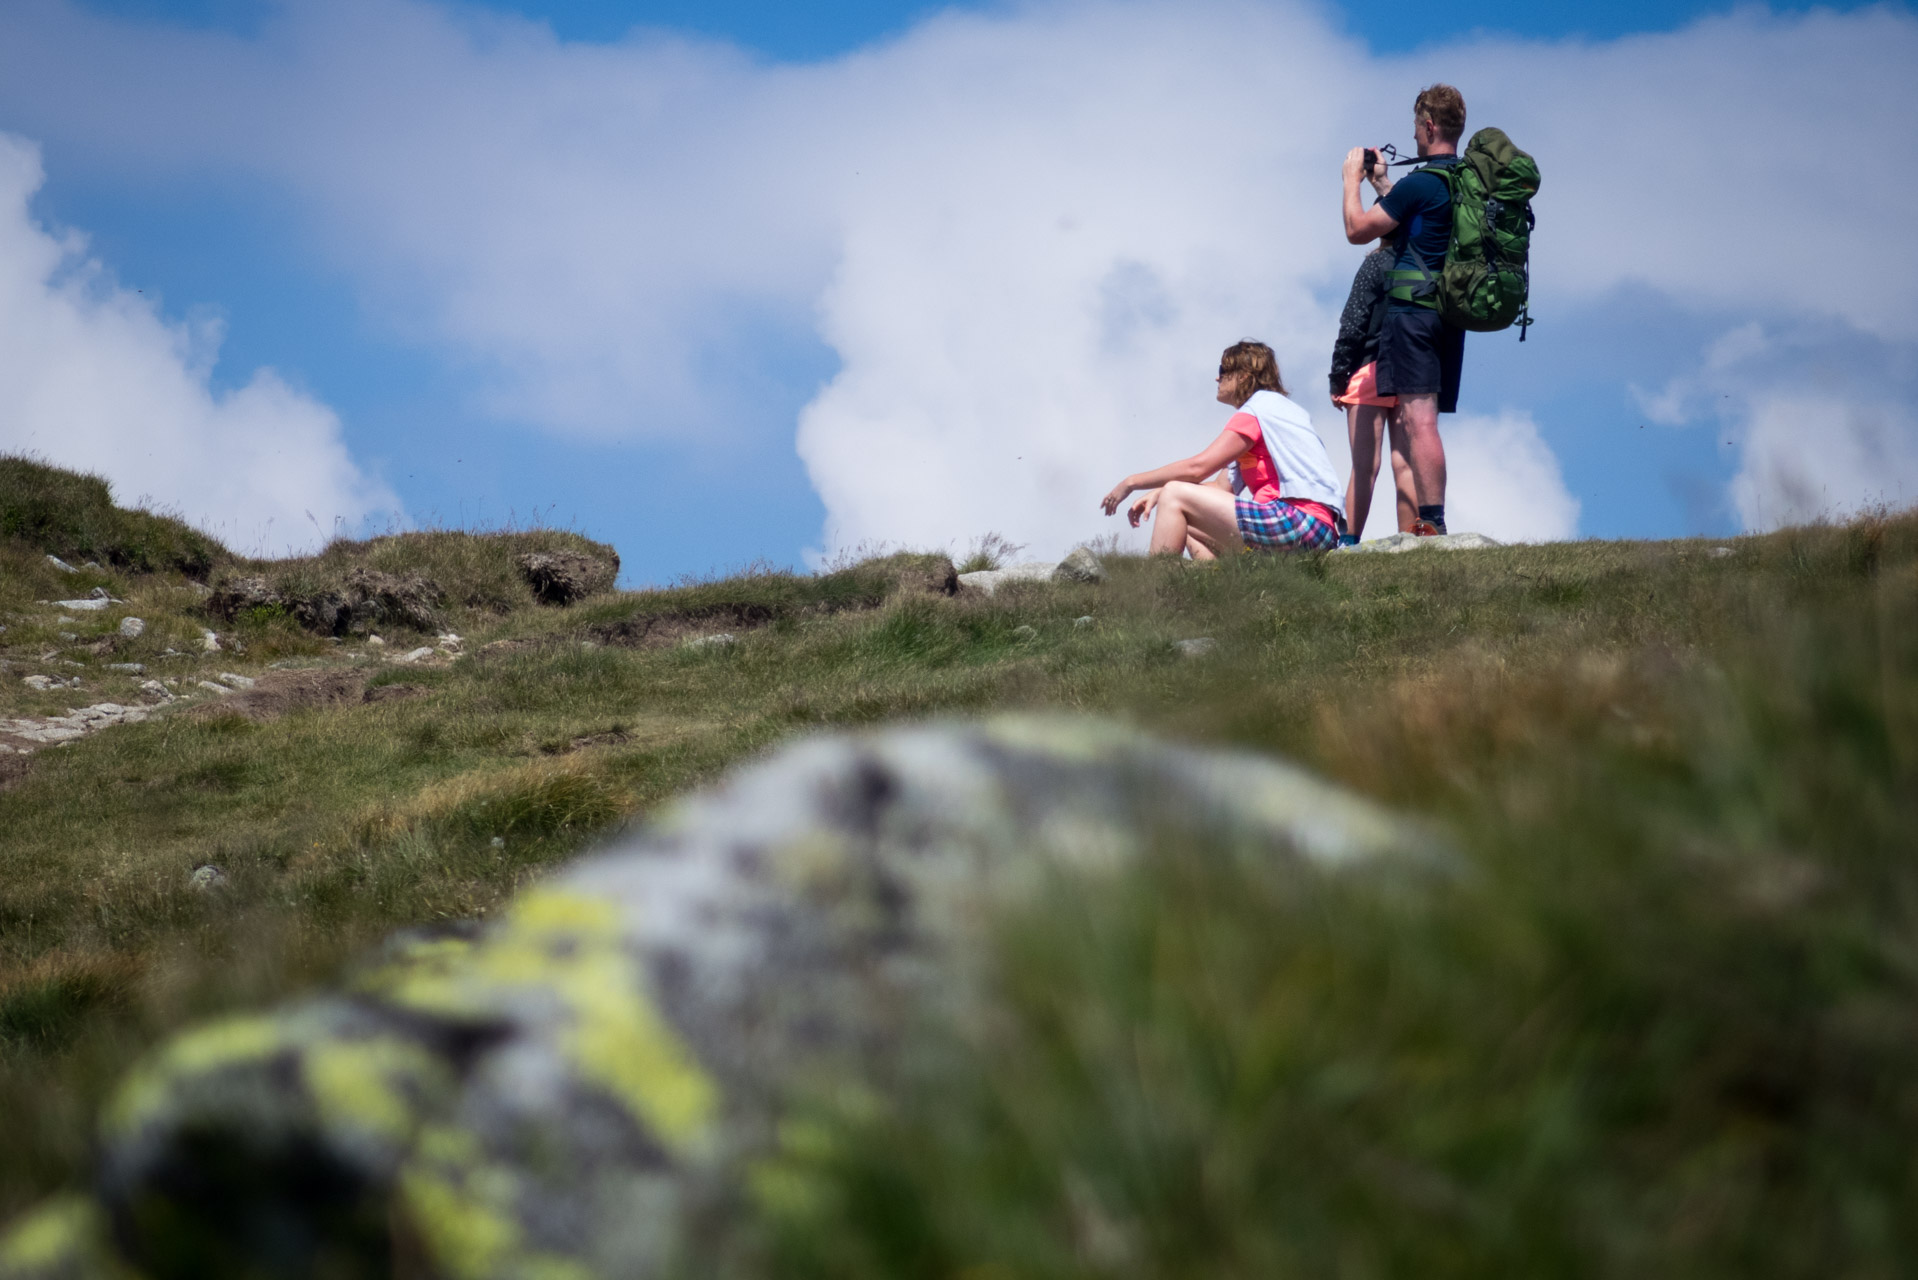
(154, 688)
(238, 682)
(171, 653)
(131, 668)
(1025, 633)
(1080, 566)
(205, 878)
(98, 593)
(449, 641)
(720, 639)
(61, 565)
(1197, 647)
(415, 655)
(209, 642)
(1719, 553)
(216, 688)
(68, 635)
(374, 642)
(131, 628)
(92, 604)
(93, 564)
(42, 683)
(499, 842)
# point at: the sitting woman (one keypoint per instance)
(1288, 499)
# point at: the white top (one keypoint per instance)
(1297, 453)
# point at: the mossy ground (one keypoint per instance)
(1668, 1025)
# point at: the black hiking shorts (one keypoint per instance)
(1420, 354)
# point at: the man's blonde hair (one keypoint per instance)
(1444, 106)
(1257, 362)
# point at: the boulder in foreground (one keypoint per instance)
(570, 1090)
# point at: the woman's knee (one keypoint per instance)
(1179, 494)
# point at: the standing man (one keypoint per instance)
(1419, 354)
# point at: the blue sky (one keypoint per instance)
(709, 474)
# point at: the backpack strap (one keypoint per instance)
(1419, 286)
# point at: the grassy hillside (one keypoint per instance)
(1669, 1025)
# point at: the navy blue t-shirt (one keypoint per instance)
(1421, 204)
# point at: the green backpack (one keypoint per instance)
(1483, 282)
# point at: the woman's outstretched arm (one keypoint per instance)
(1195, 469)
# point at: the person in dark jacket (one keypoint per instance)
(1355, 389)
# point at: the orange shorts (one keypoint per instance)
(1364, 389)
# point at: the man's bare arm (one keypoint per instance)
(1362, 226)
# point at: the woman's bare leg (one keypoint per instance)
(1202, 513)
(1362, 428)
(1408, 503)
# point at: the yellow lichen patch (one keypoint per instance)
(223, 1044)
(460, 1205)
(565, 947)
(364, 1084)
(468, 1232)
(67, 1234)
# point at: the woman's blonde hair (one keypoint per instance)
(1257, 362)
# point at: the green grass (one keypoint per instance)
(70, 515)
(1668, 1024)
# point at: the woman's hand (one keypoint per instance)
(1143, 507)
(1119, 493)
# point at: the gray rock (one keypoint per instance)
(647, 1014)
(1402, 542)
(1085, 621)
(238, 682)
(1025, 633)
(92, 604)
(1197, 647)
(132, 628)
(718, 640)
(1719, 553)
(213, 688)
(1080, 566)
(206, 877)
(990, 580)
(209, 642)
(131, 668)
(374, 642)
(417, 655)
(61, 565)
(41, 683)
(153, 688)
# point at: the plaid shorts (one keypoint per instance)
(1280, 526)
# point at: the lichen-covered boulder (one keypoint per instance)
(568, 1091)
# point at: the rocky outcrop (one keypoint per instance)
(362, 600)
(565, 1090)
(563, 577)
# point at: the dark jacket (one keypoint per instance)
(1364, 315)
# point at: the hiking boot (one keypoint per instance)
(1423, 528)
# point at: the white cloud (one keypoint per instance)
(1808, 458)
(93, 378)
(1025, 234)
(1505, 480)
